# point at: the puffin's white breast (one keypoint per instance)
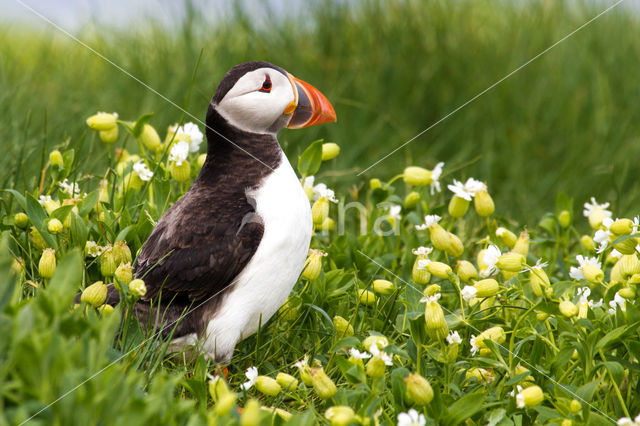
(266, 281)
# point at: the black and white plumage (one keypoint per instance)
(230, 250)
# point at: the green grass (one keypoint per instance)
(565, 124)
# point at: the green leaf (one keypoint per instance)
(61, 213)
(66, 279)
(88, 203)
(311, 159)
(612, 336)
(19, 198)
(136, 127)
(464, 408)
(38, 215)
(350, 371)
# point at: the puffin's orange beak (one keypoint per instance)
(310, 107)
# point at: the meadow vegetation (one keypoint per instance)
(500, 300)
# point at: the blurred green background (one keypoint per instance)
(568, 121)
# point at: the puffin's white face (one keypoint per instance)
(261, 101)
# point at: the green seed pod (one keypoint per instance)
(411, 200)
(592, 273)
(622, 227)
(486, 288)
(375, 367)
(55, 226)
(320, 210)
(200, 160)
(122, 252)
(342, 326)
(564, 218)
(466, 271)
(375, 184)
(436, 325)
(108, 263)
(109, 136)
(124, 273)
(251, 413)
(102, 121)
(417, 176)
(150, 138)
(538, 279)
(47, 264)
(529, 397)
(511, 262)
(483, 204)
(420, 276)
(180, 173)
(575, 406)
(522, 244)
(313, 264)
(95, 295)
(568, 308)
(439, 269)
(458, 206)
(21, 220)
(419, 390)
(55, 158)
(138, 288)
(322, 384)
(287, 381)
(383, 286)
(627, 246)
(506, 237)
(330, 151)
(366, 297)
(340, 415)
(587, 243)
(267, 386)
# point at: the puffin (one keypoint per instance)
(222, 260)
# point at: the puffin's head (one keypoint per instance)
(260, 97)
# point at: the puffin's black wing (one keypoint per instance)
(199, 246)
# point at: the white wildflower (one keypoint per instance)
(377, 353)
(359, 355)
(435, 178)
(518, 389)
(454, 338)
(433, 298)
(252, 375)
(422, 264)
(617, 301)
(474, 348)
(71, 189)
(469, 292)
(460, 191)
(394, 211)
(191, 133)
(589, 207)
(490, 258)
(603, 236)
(92, 249)
(179, 152)
(141, 169)
(422, 251)
(584, 294)
(576, 273)
(411, 418)
(429, 221)
(321, 191)
(44, 199)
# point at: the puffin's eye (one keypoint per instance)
(266, 86)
